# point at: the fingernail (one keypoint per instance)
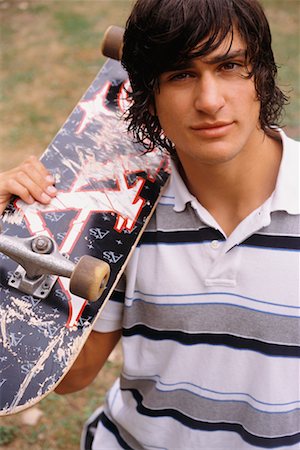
(51, 190)
(50, 179)
(45, 198)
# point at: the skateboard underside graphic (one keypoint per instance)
(107, 188)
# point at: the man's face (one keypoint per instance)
(209, 107)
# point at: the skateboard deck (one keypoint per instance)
(107, 189)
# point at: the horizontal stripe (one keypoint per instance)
(275, 242)
(226, 298)
(208, 234)
(213, 411)
(168, 196)
(270, 380)
(118, 296)
(282, 223)
(166, 202)
(191, 422)
(214, 318)
(226, 340)
(181, 237)
(166, 219)
(220, 397)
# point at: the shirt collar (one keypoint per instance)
(181, 192)
(286, 196)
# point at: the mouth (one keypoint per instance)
(213, 129)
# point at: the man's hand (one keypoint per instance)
(30, 181)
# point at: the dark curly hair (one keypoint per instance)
(162, 34)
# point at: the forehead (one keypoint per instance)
(232, 42)
(211, 51)
(232, 46)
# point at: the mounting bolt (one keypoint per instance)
(42, 244)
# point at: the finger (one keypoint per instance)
(30, 181)
(31, 185)
(37, 172)
(21, 191)
(38, 181)
(34, 161)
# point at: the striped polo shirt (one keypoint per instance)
(210, 328)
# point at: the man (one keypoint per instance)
(209, 315)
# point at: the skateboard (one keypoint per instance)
(60, 263)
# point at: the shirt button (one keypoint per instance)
(215, 245)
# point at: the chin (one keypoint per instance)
(219, 155)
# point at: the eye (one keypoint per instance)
(231, 66)
(180, 76)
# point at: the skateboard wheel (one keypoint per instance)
(89, 278)
(112, 43)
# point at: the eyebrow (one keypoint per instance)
(188, 63)
(240, 53)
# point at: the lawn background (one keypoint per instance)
(49, 54)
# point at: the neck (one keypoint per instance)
(230, 191)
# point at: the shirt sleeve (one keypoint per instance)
(111, 317)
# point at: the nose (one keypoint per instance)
(209, 97)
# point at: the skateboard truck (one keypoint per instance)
(41, 263)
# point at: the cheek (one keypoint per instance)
(253, 113)
(245, 105)
(170, 106)
(170, 125)
(250, 100)
(170, 117)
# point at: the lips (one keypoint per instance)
(213, 129)
(211, 125)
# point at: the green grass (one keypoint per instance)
(49, 54)
(285, 26)
(7, 434)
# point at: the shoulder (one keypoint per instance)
(287, 193)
